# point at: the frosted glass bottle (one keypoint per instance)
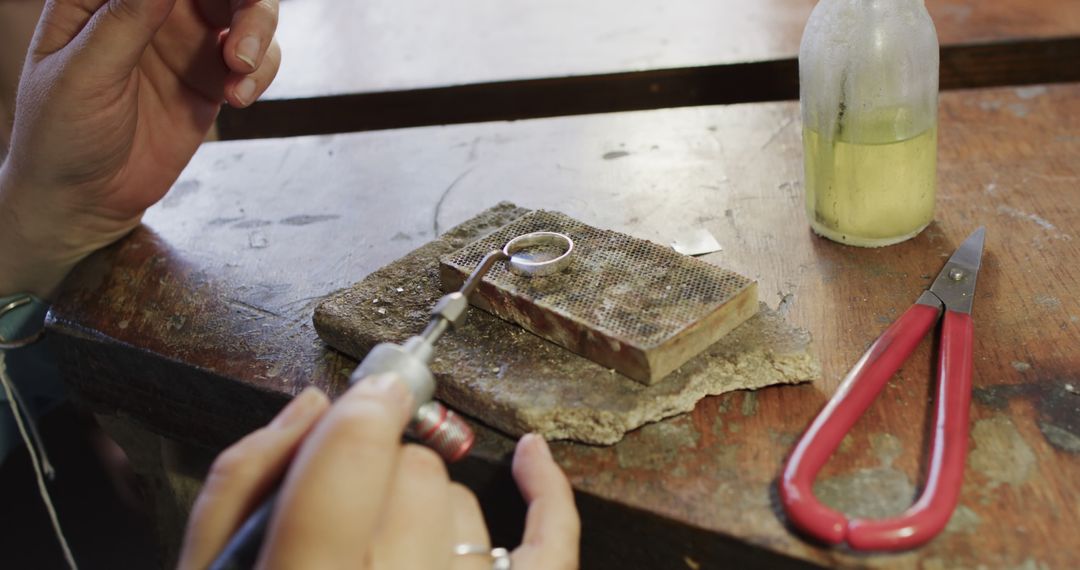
(868, 72)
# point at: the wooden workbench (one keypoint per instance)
(353, 65)
(198, 325)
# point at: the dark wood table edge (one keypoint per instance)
(99, 371)
(615, 535)
(963, 66)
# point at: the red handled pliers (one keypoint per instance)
(951, 292)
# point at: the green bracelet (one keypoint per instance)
(22, 320)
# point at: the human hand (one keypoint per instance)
(115, 97)
(356, 497)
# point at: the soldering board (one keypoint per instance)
(629, 304)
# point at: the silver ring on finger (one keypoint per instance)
(500, 557)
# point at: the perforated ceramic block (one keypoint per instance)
(626, 303)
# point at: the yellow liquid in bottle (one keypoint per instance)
(870, 192)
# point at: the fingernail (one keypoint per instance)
(393, 385)
(245, 90)
(538, 442)
(247, 50)
(301, 408)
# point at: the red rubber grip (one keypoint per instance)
(948, 449)
(858, 390)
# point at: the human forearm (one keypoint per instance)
(40, 244)
(27, 266)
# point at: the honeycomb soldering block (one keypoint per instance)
(629, 304)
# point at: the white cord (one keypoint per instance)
(46, 465)
(14, 400)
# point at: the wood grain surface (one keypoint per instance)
(355, 65)
(338, 47)
(198, 325)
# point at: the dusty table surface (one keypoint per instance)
(363, 64)
(198, 325)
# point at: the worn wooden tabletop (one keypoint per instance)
(391, 45)
(198, 325)
(363, 64)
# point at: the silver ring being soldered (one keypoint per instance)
(500, 557)
(539, 268)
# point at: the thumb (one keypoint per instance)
(552, 526)
(118, 32)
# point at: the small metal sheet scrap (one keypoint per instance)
(697, 241)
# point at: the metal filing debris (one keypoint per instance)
(623, 302)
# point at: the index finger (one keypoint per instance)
(250, 33)
(334, 494)
(243, 474)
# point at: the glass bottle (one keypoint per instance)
(868, 72)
